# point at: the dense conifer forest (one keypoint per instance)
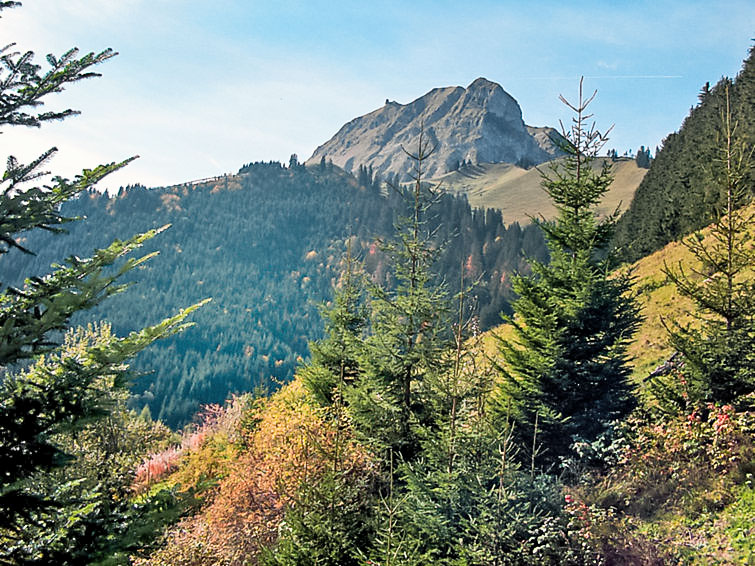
(266, 245)
(679, 193)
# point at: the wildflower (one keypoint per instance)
(722, 421)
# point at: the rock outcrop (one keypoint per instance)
(481, 123)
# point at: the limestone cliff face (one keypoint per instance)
(481, 123)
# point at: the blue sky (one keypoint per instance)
(200, 88)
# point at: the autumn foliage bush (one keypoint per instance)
(685, 460)
(279, 445)
(156, 466)
(673, 468)
(202, 450)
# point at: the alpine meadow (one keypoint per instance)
(446, 337)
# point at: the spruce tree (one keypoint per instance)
(719, 347)
(408, 330)
(45, 389)
(565, 373)
(335, 359)
(462, 504)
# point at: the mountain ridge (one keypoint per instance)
(480, 123)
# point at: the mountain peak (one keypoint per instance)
(483, 83)
(481, 123)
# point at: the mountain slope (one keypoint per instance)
(659, 301)
(518, 193)
(680, 192)
(481, 124)
(266, 245)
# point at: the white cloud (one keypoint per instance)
(612, 66)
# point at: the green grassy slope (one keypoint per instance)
(660, 301)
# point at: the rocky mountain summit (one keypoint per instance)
(481, 123)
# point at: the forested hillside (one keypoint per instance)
(394, 445)
(379, 429)
(612, 422)
(679, 194)
(266, 245)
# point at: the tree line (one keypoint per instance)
(679, 194)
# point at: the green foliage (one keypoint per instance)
(45, 305)
(57, 393)
(565, 376)
(391, 545)
(23, 85)
(451, 490)
(54, 506)
(328, 522)
(409, 332)
(453, 507)
(66, 498)
(678, 195)
(23, 208)
(272, 243)
(335, 359)
(677, 492)
(486, 510)
(719, 350)
(739, 518)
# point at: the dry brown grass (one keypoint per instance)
(518, 193)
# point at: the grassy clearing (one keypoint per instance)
(518, 193)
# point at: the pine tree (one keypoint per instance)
(719, 349)
(91, 512)
(565, 374)
(46, 389)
